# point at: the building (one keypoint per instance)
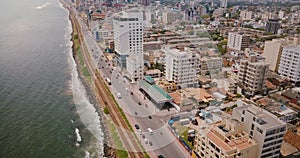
(263, 127)
(224, 3)
(273, 26)
(145, 2)
(272, 53)
(251, 76)
(224, 139)
(182, 67)
(211, 64)
(154, 73)
(273, 50)
(246, 15)
(281, 14)
(154, 93)
(169, 17)
(228, 84)
(289, 65)
(238, 41)
(128, 42)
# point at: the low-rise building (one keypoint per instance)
(155, 73)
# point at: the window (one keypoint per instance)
(242, 119)
(259, 130)
(243, 112)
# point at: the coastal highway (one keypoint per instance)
(163, 142)
(128, 139)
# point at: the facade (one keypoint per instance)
(211, 64)
(251, 76)
(238, 41)
(225, 139)
(145, 2)
(224, 3)
(272, 26)
(289, 65)
(272, 53)
(228, 84)
(246, 15)
(182, 67)
(128, 42)
(263, 127)
(169, 17)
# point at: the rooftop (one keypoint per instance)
(156, 93)
(264, 118)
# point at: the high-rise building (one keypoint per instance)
(238, 40)
(273, 50)
(128, 42)
(182, 67)
(251, 75)
(289, 65)
(263, 127)
(272, 53)
(246, 15)
(169, 17)
(224, 3)
(145, 2)
(224, 139)
(273, 26)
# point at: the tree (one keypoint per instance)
(105, 110)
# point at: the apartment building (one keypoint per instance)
(238, 40)
(263, 127)
(211, 64)
(251, 75)
(182, 67)
(246, 15)
(169, 16)
(273, 50)
(128, 42)
(224, 139)
(289, 65)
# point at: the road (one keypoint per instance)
(162, 141)
(129, 140)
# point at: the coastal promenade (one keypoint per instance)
(105, 98)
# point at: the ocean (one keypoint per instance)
(45, 110)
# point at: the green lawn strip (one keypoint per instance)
(184, 136)
(117, 141)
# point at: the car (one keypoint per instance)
(137, 126)
(160, 156)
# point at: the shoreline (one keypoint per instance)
(107, 150)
